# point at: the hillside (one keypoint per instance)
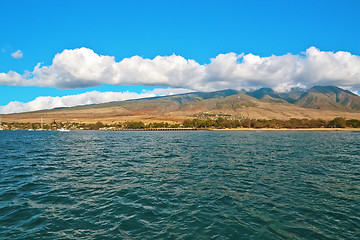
(316, 103)
(329, 98)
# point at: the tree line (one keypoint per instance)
(293, 123)
(221, 123)
(218, 123)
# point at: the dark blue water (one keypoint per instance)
(179, 185)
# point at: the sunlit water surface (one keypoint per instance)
(179, 185)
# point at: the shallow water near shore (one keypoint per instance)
(180, 185)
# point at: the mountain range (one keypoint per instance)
(319, 102)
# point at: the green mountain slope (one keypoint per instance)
(329, 97)
(263, 93)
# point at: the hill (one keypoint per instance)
(329, 98)
(316, 103)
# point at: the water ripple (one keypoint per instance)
(179, 185)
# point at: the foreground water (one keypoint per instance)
(179, 185)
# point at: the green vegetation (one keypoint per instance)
(134, 125)
(208, 123)
(353, 123)
(338, 122)
(256, 123)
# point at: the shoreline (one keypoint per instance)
(287, 129)
(207, 129)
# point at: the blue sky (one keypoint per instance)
(196, 30)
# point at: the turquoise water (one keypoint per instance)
(179, 185)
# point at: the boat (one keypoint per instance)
(63, 130)
(1, 129)
(41, 129)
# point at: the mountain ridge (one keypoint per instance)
(317, 102)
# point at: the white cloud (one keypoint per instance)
(17, 54)
(82, 99)
(82, 68)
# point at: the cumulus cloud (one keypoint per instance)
(82, 68)
(17, 54)
(93, 97)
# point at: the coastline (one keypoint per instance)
(287, 129)
(209, 129)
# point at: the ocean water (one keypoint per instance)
(179, 185)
